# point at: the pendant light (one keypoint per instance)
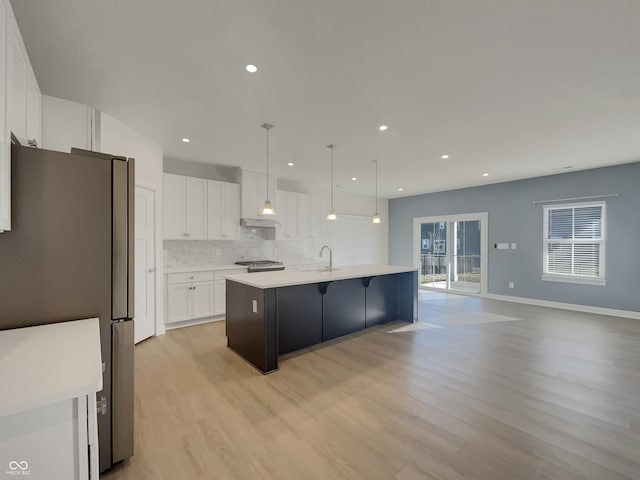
(267, 208)
(376, 216)
(331, 214)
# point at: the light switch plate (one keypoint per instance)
(513, 246)
(512, 284)
(254, 306)
(502, 246)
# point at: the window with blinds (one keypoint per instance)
(574, 243)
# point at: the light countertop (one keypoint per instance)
(49, 363)
(287, 278)
(201, 268)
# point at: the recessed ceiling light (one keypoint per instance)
(186, 140)
(485, 174)
(251, 68)
(354, 178)
(382, 128)
(290, 164)
(444, 157)
(400, 189)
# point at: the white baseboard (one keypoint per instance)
(567, 306)
(191, 323)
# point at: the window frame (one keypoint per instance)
(573, 278)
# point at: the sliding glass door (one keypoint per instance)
(451, 252)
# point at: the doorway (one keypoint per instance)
(145, 261)
(450, 252)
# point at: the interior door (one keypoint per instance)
(145, 257)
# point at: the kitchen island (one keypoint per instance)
(273, 313)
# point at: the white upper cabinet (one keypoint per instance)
(254, 193)
(223, 210)
(16, 87)
(196, 211)
(299, 214)
(67, 124)
(185, 208)
(20, 103)
(34, 110)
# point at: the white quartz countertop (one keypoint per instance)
(287, 278)
(201, 268)
(49, 363)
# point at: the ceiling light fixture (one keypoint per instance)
(382, 128)
(354, 178)
(267, 208)
(331, 214)
(186, 140)
(376, 216)
(444, 157)
(485, 174)
(290, 164)
(251, 68)
(400, 189)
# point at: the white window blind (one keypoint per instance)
(574, 242)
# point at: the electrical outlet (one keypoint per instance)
(513, 246)
(254, 306)
(512, 284)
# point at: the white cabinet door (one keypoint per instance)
(196, 211)
(249, 200)
(5, 163)
(281, 214)
(304, 221)
(254, 193)
(202, 295)
(220, 291)
(16, 87)
(174, 207)
(315, 218)
(179, 302)
(231, 219)
(291, 216)
(34, 109)
(215, 209)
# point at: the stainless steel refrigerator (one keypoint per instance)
(69, 255)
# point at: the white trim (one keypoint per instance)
(192, 322)
(483, 217)
(547, 277)
(579, 279)
(567, 306)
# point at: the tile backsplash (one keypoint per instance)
(252, 245)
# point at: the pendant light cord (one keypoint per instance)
(331, 147)
(267, 163)
(376, 186)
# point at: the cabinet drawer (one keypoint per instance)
(222, 274)
(187, 277)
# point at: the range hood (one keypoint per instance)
(259, 222)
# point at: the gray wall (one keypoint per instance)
(512, 218)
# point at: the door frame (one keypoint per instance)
(484, 246)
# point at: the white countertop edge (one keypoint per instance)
(28, 386)
(201, 268)
(265, 280)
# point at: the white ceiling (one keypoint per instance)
(515, 88)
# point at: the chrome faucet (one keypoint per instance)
(330, 256)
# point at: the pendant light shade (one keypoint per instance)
(376, 216)
(267, 208)
(331, 214)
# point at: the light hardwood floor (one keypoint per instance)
(489, 390)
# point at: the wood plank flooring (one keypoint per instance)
(493, 391)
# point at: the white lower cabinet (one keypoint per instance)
(189, 296)
(220, 292)
(195, 295)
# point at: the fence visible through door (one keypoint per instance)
(451, 252)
